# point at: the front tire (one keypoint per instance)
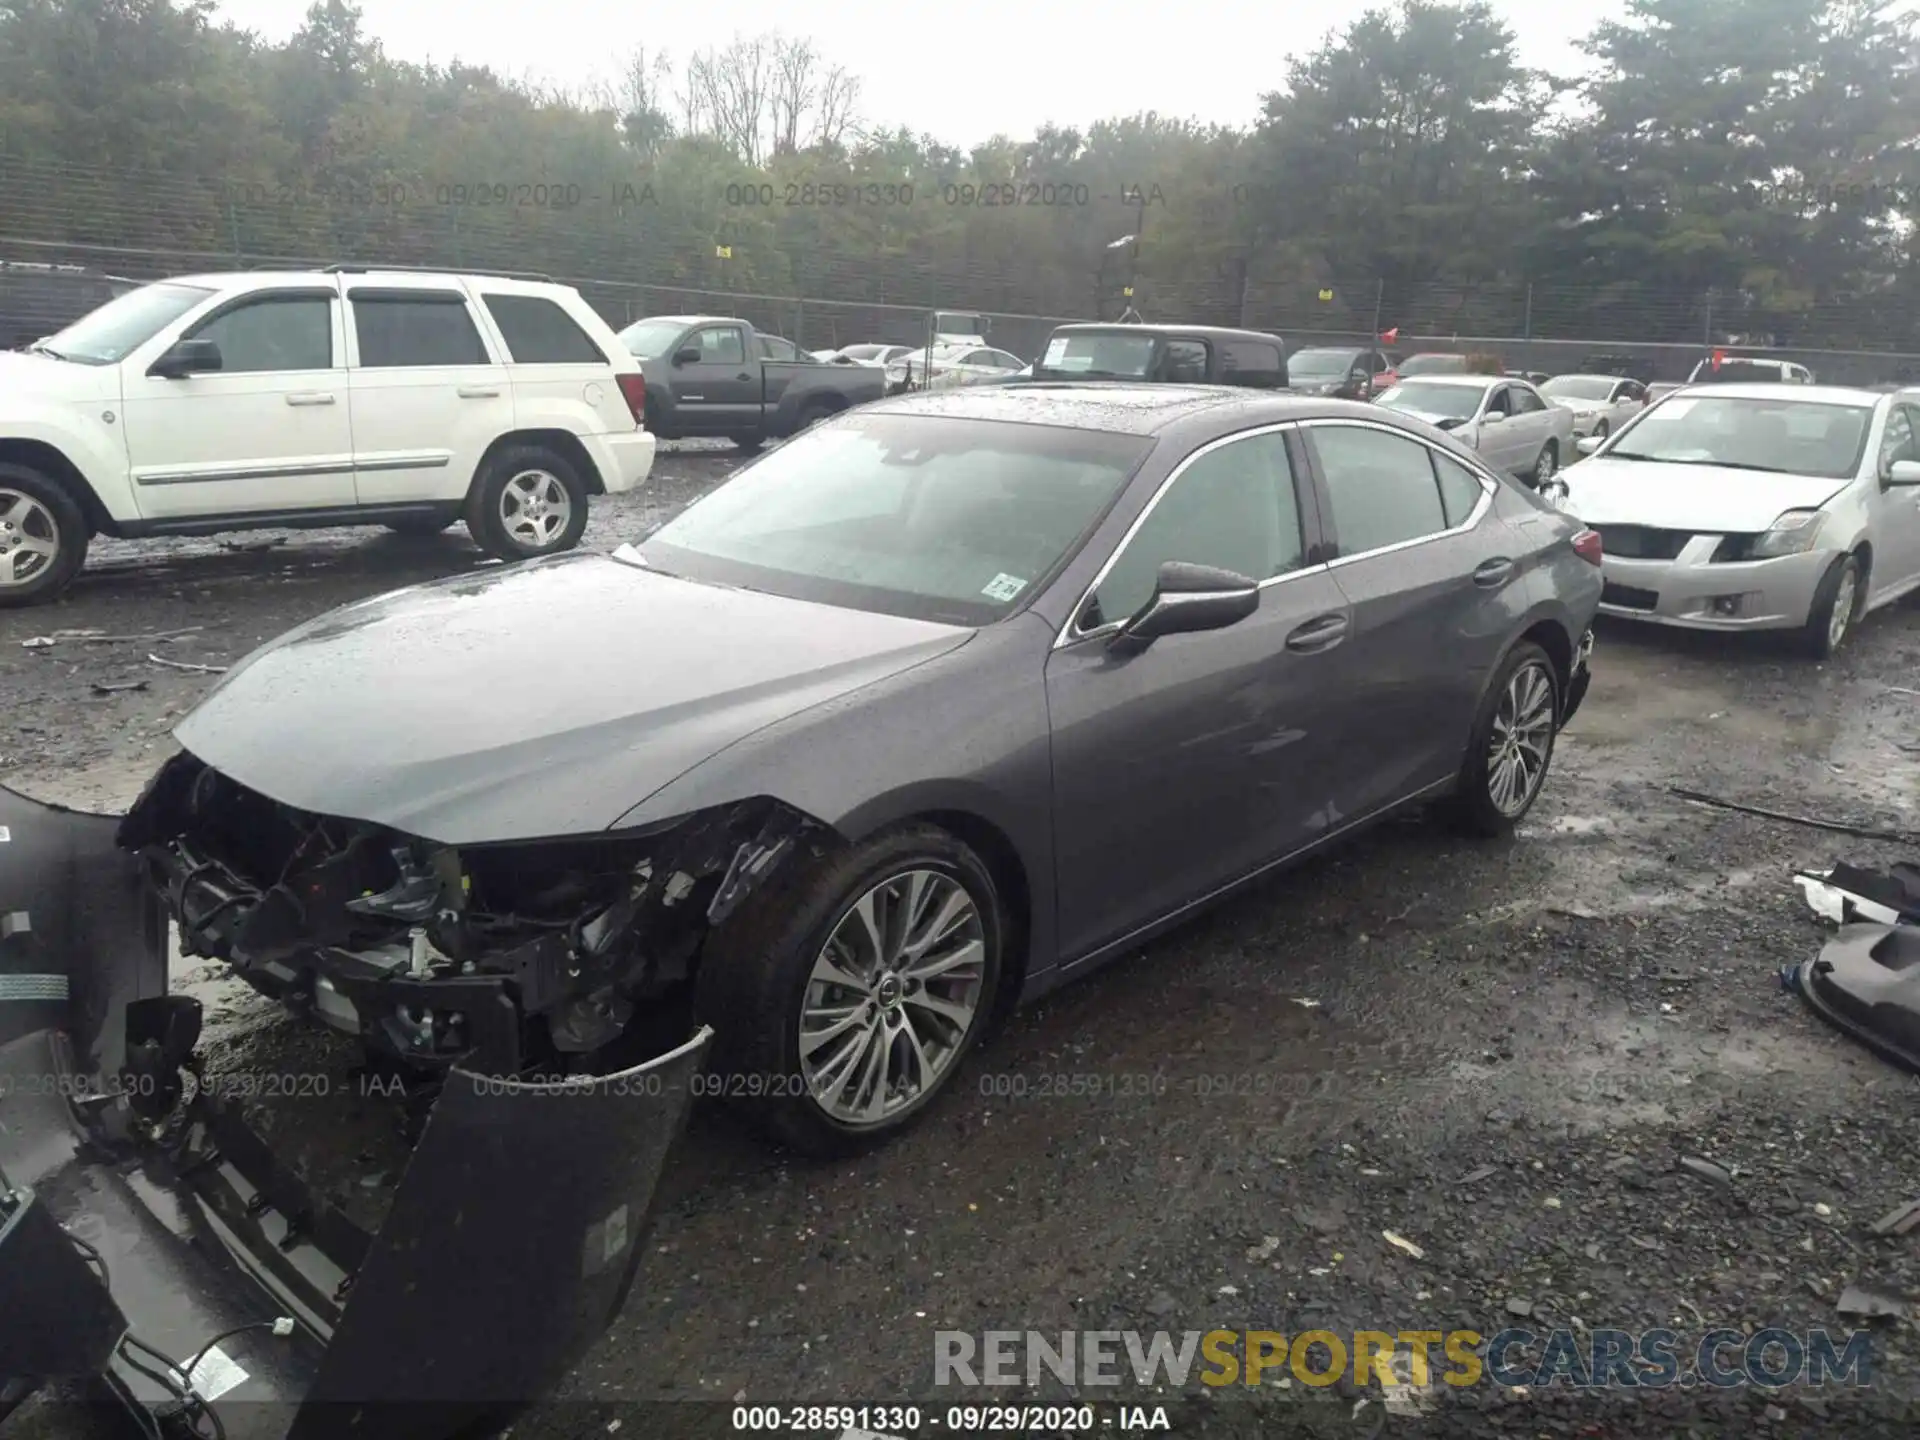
(1602, 430)
(1512, 745)
(1836, 606)
(847, 993)
(1547, 466)
(43, 537)
(529, 502)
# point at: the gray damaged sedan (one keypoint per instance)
(934, 707)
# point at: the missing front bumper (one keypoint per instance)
(511, 1243)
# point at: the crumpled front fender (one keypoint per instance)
(512, 1242)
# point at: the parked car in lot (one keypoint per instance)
(1164, 354)
(952, 366)
(902, 712)
(1600, 404)
(338, 397)
(711, 375)
(1437, 362)
(1748, 369)
(1348, 374)
(1660, 389)
(1507, 421)
(1746, 507)
(875, 355)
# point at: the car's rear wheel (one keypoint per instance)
(1512, 746)
(43, 536)
(845, 998)
(1836, 606)
(530, 502)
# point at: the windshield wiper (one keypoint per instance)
(1715, 464)
(40, 347)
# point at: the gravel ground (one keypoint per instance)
(1516, 1056)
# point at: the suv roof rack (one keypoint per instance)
(357, 269)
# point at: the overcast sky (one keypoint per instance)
(963, 70)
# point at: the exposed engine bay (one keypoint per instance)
(525, 958)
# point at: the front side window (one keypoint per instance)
(121, 326)
(1381, 487)
(1901, 440)
(268, 334)
(718, 345)
(772, 347)
(1525, 402)
(1233, 508)
(407, 332)
(937, 518)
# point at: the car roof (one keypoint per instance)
(1176, 332)
(1762, 390)
(1115, 406)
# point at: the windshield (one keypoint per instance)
(1780, 437)
(1320, 362)
(1580, 387)
(119, 327)
(1447, 402)
(1434, 365)
(1111, 357)
(650, 339)
(934, 518)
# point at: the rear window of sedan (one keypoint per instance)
(931, 517)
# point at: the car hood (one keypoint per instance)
(538, 700)
(1704, 498)
(26, 377)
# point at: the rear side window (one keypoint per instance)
(1459, 489)
(1184, 362)
(539, 332)
(1243, 362)
(398, 331)
(1382, 487)
(772, 347)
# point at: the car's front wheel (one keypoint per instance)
(1836, 605)
(845, 996)
(1512, 746)
(43, 536)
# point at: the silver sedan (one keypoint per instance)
(1600, 404)
(1508, 421)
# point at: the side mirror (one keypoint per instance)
(1587, 444)
(689, 355)
(1188, 598)
(186, 357)
(1493, 417)
(1904, 472)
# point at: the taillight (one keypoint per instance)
(633, 387)
(1587, 546)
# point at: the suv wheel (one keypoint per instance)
(43, 536)
(846, 994)
(1512, 745)
(529, 502)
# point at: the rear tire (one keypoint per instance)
(749, 445)
(43, 536)
(1836, 607)
(1508, 733)
(760, 981)
(528, 502)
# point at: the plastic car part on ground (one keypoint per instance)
(141, 1220)
(1866, 980)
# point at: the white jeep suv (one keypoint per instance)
(345, 396)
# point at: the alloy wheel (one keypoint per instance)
(535, 508)
(1543, 472)
(1522, 740)
(29, 538)
(892, 997)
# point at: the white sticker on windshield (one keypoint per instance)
(1674, 410)
(1004, 587)
(1056, 352)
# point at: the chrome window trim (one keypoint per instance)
(1070, 635)
(1488, 486)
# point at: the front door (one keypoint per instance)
(267, 431)
(721, 390)
(429, 396)
(1896, 508)
(1186, 766)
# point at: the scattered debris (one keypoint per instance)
(1475, 1176)
(1305, 1003)
(1823, 1210)
(253, 547)
(185, 665)
(1871, 1303)
(1862, 832)
(1400, 1242)
(117, 687)
(99, 637)
(1866, 982)
(1517, 1306)
(1264, 1250)
(1846, 894)
(1900, 1221)
(1706, 1169)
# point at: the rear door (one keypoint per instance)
(429, 394)
(1436, 583)
(1183, 767)
(721, 390)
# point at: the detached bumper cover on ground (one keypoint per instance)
(511, 1243)
(1866, 981)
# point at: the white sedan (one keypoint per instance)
(955, 365)
(1756, 507)
(1601, 404)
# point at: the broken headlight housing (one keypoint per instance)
(1794, 533)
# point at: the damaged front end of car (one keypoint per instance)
(150, 1239)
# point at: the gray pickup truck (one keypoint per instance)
(712, 375)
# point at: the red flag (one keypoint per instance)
(1390, 337)
(1718, 356)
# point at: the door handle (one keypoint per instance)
(309, 397)
(1321, 633)
(479, 392)
(1493, 573)
(743, 377)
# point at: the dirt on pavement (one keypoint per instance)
(1561, 1067)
